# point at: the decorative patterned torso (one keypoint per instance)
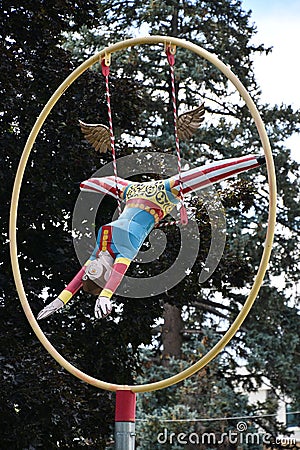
(155, 197)
(146, 205)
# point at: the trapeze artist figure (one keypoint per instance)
(146, 204)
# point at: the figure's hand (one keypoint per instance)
(50, 309)
(103, 307)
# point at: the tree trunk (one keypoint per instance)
(171, 333)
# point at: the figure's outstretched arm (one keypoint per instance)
(200, 177)
(105, 185)
(103, 305)
(65, 295)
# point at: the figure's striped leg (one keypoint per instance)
(200, 177)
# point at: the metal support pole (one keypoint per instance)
(125, 420)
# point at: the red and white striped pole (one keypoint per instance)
(125, 420)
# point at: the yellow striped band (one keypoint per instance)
(65, 296)
(106, 293)
(125, 261)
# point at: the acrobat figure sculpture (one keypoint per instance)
(146, 204)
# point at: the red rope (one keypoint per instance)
(171, 60)
(167, 223)
(105, 72)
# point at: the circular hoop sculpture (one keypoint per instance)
(269, 236)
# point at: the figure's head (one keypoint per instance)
(97, 273)
(90, 286)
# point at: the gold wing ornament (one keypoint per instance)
(189, 122)
(96, 134)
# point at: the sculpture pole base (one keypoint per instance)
(125, 420)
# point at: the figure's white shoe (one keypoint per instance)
(103, 307)
(50, 309)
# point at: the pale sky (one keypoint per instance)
(278, 25)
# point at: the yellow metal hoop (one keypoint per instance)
(166, 40)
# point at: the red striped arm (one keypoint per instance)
(73, 286)
(119, 269)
